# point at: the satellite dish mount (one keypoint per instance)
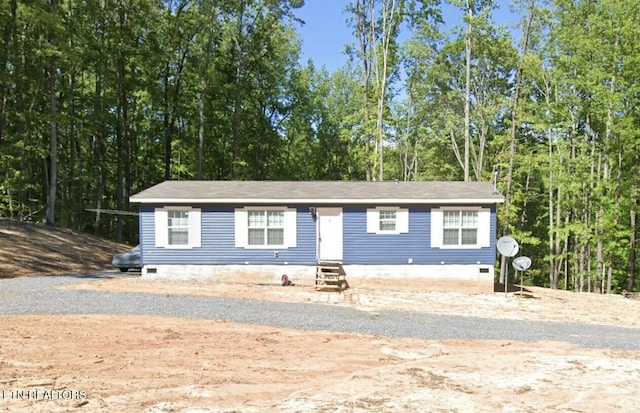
(508, 247)
(521, 264)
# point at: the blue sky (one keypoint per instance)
(325, 33)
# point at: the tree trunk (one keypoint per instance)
(616, 218)
(203, 96)
(364, 33)
(408, 160)
(632, 242)
(76, 168)
(237, 91)
(553, 275)
(523, 214)
(166, 120)
(98, 139)
(121, 125)
(53, 140)
(8, 43)
(467, 96)
(554, 223)
(609, 138)
(388, 33)
(600, 268)
(565, 248)
(514, 121)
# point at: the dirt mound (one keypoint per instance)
(31, 249)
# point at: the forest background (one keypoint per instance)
(100, 99)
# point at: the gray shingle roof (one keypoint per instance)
(318, 192)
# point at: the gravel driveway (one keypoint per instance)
(37, 295)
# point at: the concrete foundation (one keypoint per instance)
(471, 278)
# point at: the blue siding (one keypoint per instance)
(218, 241)
(360, 247)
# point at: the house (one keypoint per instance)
(440, 233)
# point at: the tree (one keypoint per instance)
(377, 31)
(50, 218)
(524, 44)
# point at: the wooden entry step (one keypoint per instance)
(330, 276)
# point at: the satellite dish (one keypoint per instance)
(507, 246)
(521, 263)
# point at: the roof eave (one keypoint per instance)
(314, 201)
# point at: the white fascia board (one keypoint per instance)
(313, 201)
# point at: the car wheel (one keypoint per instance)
(123, 269)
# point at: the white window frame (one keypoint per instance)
(374, 220)
(459, 226)
(241, 217)
(194, 225)
(176, 225)
(265, 227)
(389, 218)
(483, 235)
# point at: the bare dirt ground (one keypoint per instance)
(27, 249)
(105, 363)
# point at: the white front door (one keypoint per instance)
(329, 234)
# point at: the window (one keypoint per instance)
(177, 227)
(460, 228)
(265, 227)
(467, 227)
(387, 220)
